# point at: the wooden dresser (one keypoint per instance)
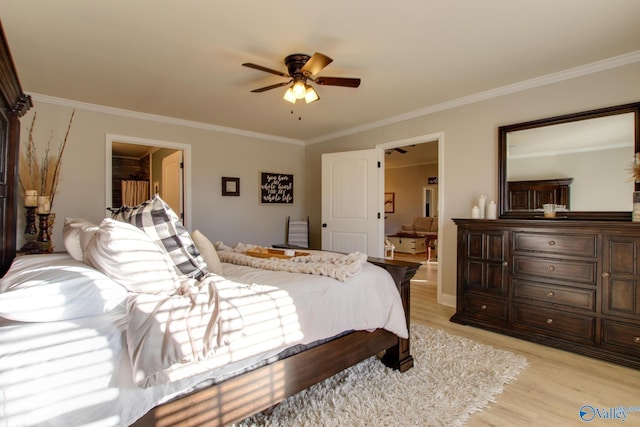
(529, 195)
(570, 284)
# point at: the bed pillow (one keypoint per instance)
(55, 287)
(208, 252)
(162, 224)
(127, 255)
(76, 231)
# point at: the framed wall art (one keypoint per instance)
(230, 186)
(276, 188)
(389, 202)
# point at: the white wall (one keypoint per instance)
(470, 148)
(82, 186)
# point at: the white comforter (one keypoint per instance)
(251, 312)
(79, 372)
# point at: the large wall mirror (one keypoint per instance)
(580, 162)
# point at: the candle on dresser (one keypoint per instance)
(44, 204)
(492, 211)
(30, 198)
(475, 212)
(481, 205)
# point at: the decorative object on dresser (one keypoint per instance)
(573, 285)
(31, 228)
(42, 173)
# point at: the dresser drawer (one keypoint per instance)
(485, 306)
(623, 336)
(556, 269)
(569, 326)
(584, 245)
(565, 295)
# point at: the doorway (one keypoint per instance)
(430, 201)
(134, 148)
(437, 195)
(171, 184)
(427, 203)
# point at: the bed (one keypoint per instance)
(40, 344)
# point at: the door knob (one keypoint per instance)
(324, 225)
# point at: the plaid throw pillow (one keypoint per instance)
(162, 224)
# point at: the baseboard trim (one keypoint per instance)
(447, 299)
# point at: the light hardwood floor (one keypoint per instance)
(555, 385)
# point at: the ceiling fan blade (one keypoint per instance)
(266, 88)
(265, 69)
(315, 64)
(338, 81)
(400, 150)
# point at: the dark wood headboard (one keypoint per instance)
(13, 105)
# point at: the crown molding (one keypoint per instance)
(161, 119)
(583, 70)
(571, 73)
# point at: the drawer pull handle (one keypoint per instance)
(550, 294)
(551, 268)
(552, 242)
(505, 263)
(549, 321)
(483, 306)
(605, 275)
(636, 340)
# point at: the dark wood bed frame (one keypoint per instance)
(240, 396)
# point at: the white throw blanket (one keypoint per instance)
(214, 321)
(338, 266)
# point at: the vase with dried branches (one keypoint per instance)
(40, 174)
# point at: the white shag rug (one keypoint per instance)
(452, 377)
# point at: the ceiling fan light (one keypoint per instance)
(299, 89)
(311, 95)
(289, 96)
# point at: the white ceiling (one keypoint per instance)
(182, 59)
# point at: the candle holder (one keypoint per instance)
(44, 238)
(30, 231)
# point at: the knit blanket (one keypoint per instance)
(338, 266)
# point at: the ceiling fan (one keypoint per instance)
(391, 150)
(302, 68)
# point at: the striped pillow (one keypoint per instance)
(162, 224)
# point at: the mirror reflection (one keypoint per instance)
(596, 154)
(579, 162)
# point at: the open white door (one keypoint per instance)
(171, 190)
(352, 202)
